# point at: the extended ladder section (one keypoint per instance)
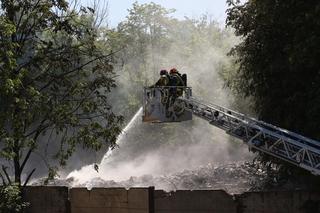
(176, 104)
(280, 143)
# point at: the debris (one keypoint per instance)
(96, 167)
(234, 178)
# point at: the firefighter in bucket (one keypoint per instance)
(161, 100)
(176, 87)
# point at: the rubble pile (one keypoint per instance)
(234, 178)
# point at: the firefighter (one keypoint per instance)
(174, 91)
(163, 80)
(176, 81)
(161, 86)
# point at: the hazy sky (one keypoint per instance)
(216, 8)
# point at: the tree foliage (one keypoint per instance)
(152, 39)
(11, 200)
(54, 79)
(278, 61)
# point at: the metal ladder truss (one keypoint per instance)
(258, 135)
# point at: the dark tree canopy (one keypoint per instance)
(278, 61)
(54, 81)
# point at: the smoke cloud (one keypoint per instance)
(157, 150)
(163, 149)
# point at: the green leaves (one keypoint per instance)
(55, 78)
(11, 199)
(7, 28)
(278, 60)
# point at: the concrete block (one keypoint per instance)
(138, 198)
(99, 197)
(111, 200)
(279, 202)
(45, 199)
(203, 201)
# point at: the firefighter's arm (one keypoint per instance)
(155, 85)
(158, 83)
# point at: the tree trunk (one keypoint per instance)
(16, 161)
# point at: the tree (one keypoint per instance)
(278, 61)
(11, 200)
(142, 36)
(154, 40)
(54, 80)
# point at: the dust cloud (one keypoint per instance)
(153, 150)
(149, 152)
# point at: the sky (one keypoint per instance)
(191, 8)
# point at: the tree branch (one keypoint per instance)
(29, 151)
(28, 178)
(78, 68)
(26, 159)
(90, 117)
(83, 65)
(40, 128)
(3, 180)
(4, 169)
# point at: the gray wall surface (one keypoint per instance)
(113, 200)
(194, 201)
(44, 199)
(147, 200)
(280, 202)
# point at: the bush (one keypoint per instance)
(11, 199)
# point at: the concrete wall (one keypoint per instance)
(251, 202)
(148, 200)
(279, 202)
(194, 201)
(111, 200)
(46, 199)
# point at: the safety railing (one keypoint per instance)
(161, 104)
(258, 135)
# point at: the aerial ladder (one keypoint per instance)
(159, 105)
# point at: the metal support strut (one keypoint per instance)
(258, 135)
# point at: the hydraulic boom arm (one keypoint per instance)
(280, 143)
(161, 106)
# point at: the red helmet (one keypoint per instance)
(173, 70)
